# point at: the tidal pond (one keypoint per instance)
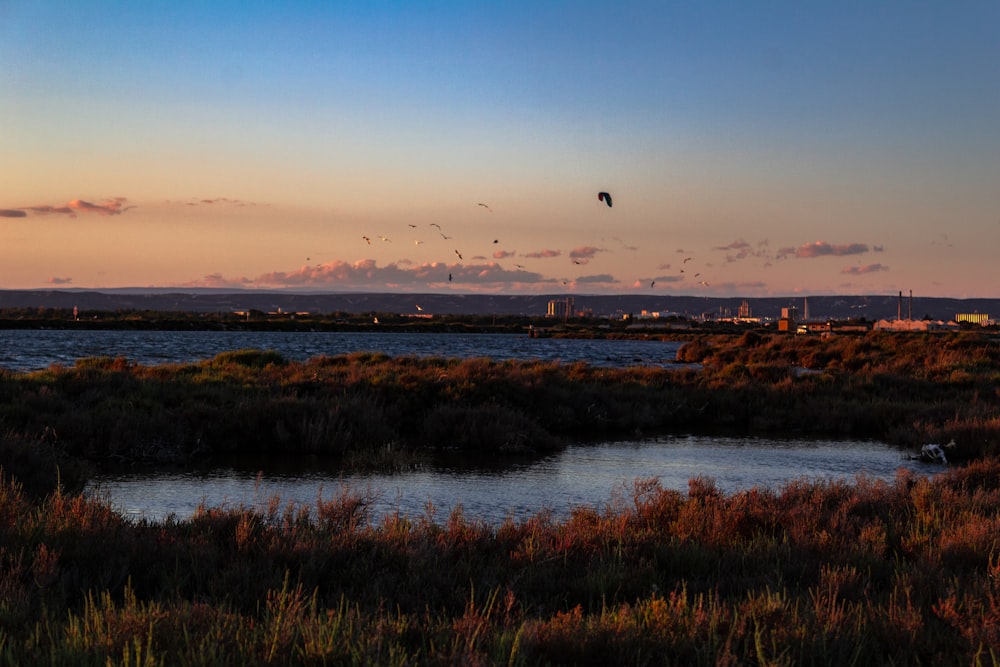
(593, 475)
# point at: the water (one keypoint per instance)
(591, 475)
(28, 350)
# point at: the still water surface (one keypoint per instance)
(28, 350)
(592, 475)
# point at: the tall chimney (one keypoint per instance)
(910, 316)
(899, 306)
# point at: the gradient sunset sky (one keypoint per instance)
(751, 148)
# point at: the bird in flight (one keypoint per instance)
(604, 197)
(449, 277)
(486, 207)
(385, 238)
(459, 254)
(367, 240)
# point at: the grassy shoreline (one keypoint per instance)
(819, 573)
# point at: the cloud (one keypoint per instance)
(220, 200)
(543, 254)
(823, 249)
(367, 274)
(741, 249)
(598, 278)
(584, 252)
(59, 281)
(503, 254)
(12, 213)
(739, 244)
(115, 206)
(860, 270)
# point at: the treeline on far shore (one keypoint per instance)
(369, 409)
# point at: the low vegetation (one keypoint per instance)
(903, 389)
(870, 572)
(860, 572)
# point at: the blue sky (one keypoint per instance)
(785, 148)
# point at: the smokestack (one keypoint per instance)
(899, 306)
(910, 316)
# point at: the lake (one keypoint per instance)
(28, 350)
(592, 475)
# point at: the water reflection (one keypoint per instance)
(592, 475)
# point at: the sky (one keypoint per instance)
(751, 148)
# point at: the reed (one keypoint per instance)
(864, 572)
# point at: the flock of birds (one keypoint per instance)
(601, 196)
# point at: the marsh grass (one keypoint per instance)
(904, 389)
(869, 572)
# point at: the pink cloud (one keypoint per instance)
(367, 274)
(543, 254)
(741, 249)
(861, 270)
(115, 206)
(584, 252)
(220, 200)
(503, 254)
(59, 281)
(824, 249)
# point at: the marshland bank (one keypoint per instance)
(370, 409)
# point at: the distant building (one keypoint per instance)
(744, 311)
(560, 308)
(914, 325)
(788, 317)
(982, 319)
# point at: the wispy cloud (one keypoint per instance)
(741, 249)
(605, 278)
(861, 270)
(503, 254)
(584, 254)
(12, 213)
(220, 200)
(823, 249)
(115, 206)
(543, 254)
(59, 281)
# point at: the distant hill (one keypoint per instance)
(871, 307)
